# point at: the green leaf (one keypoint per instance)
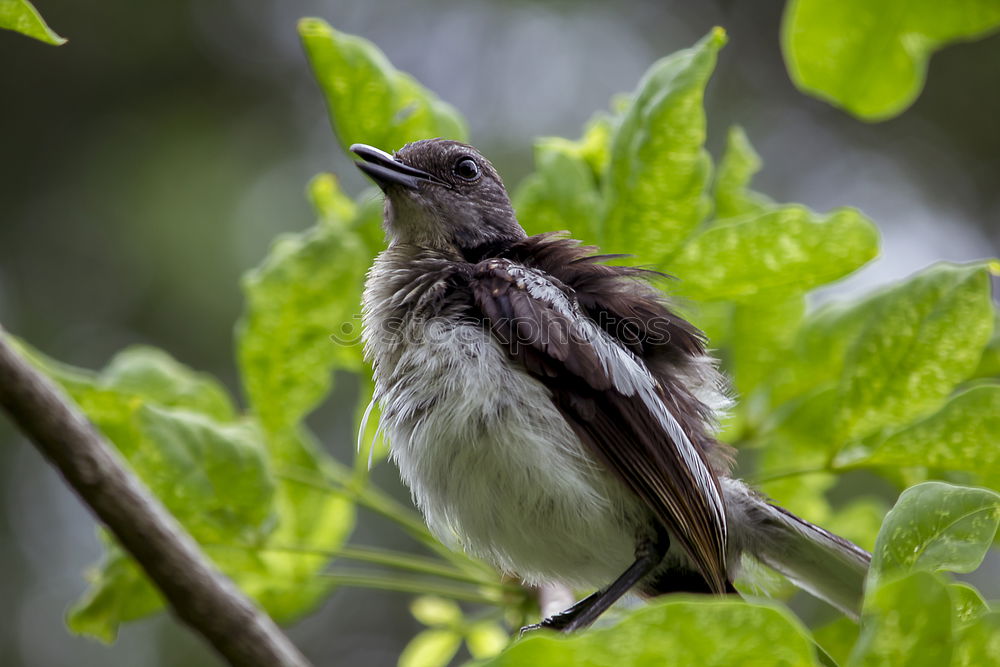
(655, 190)
(431, 648)
(871, 57)
(154, 375)
(21, 16)
(924, 337)
(561, 194)
(302, 321)
(788, 249)
(733, 197)
(838, 638)
(962, 435)
(119, 592)
(677, 631)
(936, 526)
(332, 206)
(967, 602)
(486, 639)
(989, 364)
(763, 331)
(978, 644)
(906, 622)
(213, 477)
(368, 99)
(816, 359)
(432, 610)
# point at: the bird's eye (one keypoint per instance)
(466, 169)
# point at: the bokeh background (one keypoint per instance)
(148, 162)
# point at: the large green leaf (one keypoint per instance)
(369, 100)
(870, 56)
(655, 189)
(962, 435)
(676, 631)
(561, 194)
(924, 337)
(21, 16)
(302, 320)
(787, 249)
(906, 622)
(936, 526)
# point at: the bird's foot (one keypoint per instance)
(561, 622)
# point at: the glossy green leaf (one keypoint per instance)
(967, 602)
(21, 16)
(870, 58)
(906, 622)
(302, 321)
(926, 335)
(936, 526)
(561, 194)
(431, 648)
(788, 249)
(733, 196)
(962, 435)
(369, 100)
(655, 189)
(677, 631)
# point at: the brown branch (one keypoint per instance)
(200, 595)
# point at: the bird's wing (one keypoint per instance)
(611, 400)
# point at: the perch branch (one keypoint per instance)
(201, 596)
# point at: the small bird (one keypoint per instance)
(550, 413)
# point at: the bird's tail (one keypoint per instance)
(821, 563)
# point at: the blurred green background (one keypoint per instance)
(149, 161)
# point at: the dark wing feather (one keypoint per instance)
(612, 401)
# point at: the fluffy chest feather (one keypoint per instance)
(491, 462)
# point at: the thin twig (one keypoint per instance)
(198, 593)
(406, 584)
(375, 500)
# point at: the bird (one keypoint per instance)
(551, 413)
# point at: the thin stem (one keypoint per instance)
(404, 584)
(371, 497)
(386, 557)
(792, 473)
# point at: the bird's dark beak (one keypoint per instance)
(386, 170)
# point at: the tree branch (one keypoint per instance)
(200, 595)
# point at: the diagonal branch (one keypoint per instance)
(200, 595)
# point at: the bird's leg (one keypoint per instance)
(648, 555)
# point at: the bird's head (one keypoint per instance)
(441, 194)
